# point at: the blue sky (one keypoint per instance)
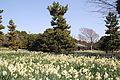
(32, 15)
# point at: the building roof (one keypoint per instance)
(81, 45)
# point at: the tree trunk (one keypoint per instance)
(106, 52)
(91, 47)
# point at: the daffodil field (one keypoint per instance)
(26, 65)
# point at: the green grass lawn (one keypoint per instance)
(26, 65)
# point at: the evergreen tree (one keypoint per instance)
(48, 41)
(104, 44)
(112, 25)
(13, 37)
(62, 39)
(1, 27)
(23, 38)
(113, 36)
(57, 12)
(31, 40)
(118, 6)
(113, 31)
(56, 39)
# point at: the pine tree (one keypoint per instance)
(118, 6)
(56, 39)
(113, 31)
(112, 25)
(112, 38)
(1, 27)
(57, 12)
(23, 38)
(13, 37)
(62, 39)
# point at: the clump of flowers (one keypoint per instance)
(26, 65)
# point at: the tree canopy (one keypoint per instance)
(56, 39)
(111, 41)
(88, 35)
(57, 12)
(13, 37)
(106, 6)
(63, 40)
(1, 26)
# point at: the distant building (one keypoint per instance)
(81, 46)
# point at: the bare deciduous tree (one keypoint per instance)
(105, 6)
(88, 35)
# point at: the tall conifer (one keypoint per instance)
(13, 38)
(61, 35)
(112, 38)
(1, 27)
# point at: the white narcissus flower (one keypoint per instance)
(47, 78)
(76, 76)
(106, 75)
(64, 72)
(59, 75)
(37, 71)
(117, 78)
(4, 73)
(85, 70)
(32, 79)
(98, 76)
